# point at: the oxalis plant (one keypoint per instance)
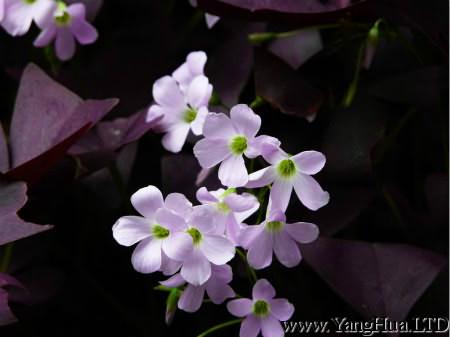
(193, 244)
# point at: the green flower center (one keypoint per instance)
(160, 232)
(29, 2)
(286, 168)
(228, 192)
(238, 145)
(189, 115)
(274, 226)
(261, 308)
(195, 234)
(223, 207)
(62, 18)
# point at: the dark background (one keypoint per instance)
(387, 169)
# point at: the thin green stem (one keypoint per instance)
(351, 91)
(7, 255)
(250, 271)
(220, 326)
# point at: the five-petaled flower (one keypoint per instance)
(274, 235)
(262, 313)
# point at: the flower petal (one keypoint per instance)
(250, 327)
(168, 265)
(18, 17)
(199, 121)
(222, 273)
(147, 201)
(256, 145)
(240, 307)
(281, 309)
(209, 152)
(270, 326)
(261, 178)
(303, 232)
(65, 44)
(249, 234)
(175, 137)
(191, 299)
(196, 61)
(218, 126)
(167, 93)
(131, 229)
(45, 37)
(272, 152)
(199, 92)
(259, 254)
(196, 268)
(241, 203)
(170, 220)
(309, 162)
(84, 32)
(174, 282)
(263, 290)
(203, 218)
(310, 193)
(146, 257)
(218, 292)
(177, 246)
(205, 197)
(178, 203)
(217, 249)
(280, 194)
(286, 250)
(244, 120)
(232, 172)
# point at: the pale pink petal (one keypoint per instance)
(241, 216)
(281, 309)
(178, 246)
(199, 92)
(167, 93)
(168, 265)
(84, 32)
(249, 234)
(175, 137)
(174, 282)
(222, 273)
(240, 203)
(146, 257)
(244, 120)
(199, 121)
(240, 307)
(202, 217)
(131, 229)
(217, 249)
(65, 44)
(310, 193)
(183, 76)
(170, 220)
(191, 299)
(303, 232)
(272, 152)
(196, 268)
(286, 250)
(196, 61)
(43, 12)
(233, 229)
(309, 162)
(250, 327)
(147, 201)
(271, 327)
(18, 17)
(218, 293)
(204, 196)
(209, 152)
(178, 203)
(261, 178)
(280, 194)
(218, 126)
(263, 290)
(256, 145)
(77, 10)
(259, 254)
(232, 172)
(154, 112)
(45, 37)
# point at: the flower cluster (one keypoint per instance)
(193, 244)
(57, 21)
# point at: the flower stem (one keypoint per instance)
(7, 254)
(220, 326)
(250, 271)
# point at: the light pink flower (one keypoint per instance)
(216, 287)
(287, 172)
(64, 26)
(159, 231)
(226, 140)
(263, 313)
(19, 14)
(193, 67)
(274, 235)
(231, 209)
(181, 111)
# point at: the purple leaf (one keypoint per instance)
(12, 198)
(298, 48)
(283, 88)
(6, 315)
(4, 155)
(376, 279)
(45, 113)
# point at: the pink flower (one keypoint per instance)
(231, 209)
(226, 140)
(158, 231)
(262, 313)
(206, 247)
(181, 111)
(287, 172)
(19, 14)
(193, 67)
(67, 24)
(274, 235)
(216, 287)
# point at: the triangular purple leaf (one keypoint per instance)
(4, 154)
(6, 315)
(377, 279)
